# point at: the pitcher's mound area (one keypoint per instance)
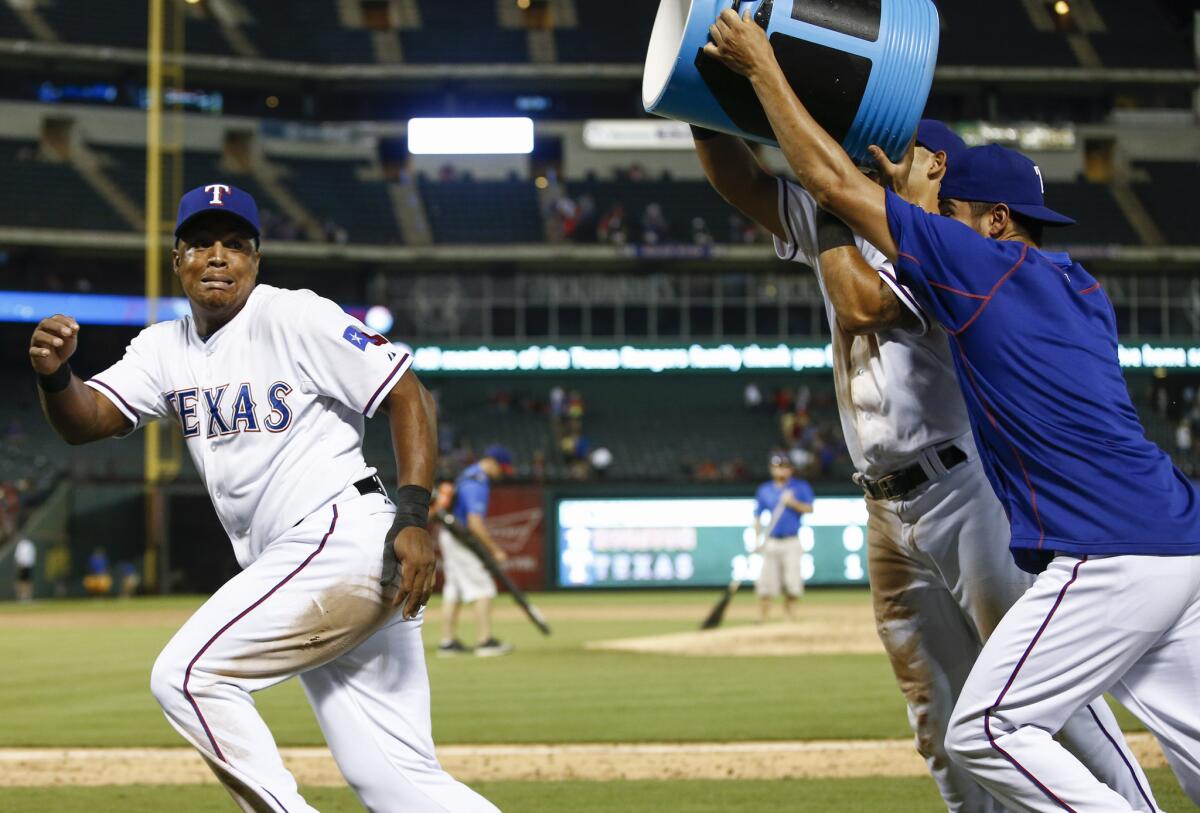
(840, 633)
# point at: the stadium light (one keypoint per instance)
(470, 136)
(1062, 8)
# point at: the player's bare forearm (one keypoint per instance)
(412, 418)
(864, 303)
(75, 415)
(78, 413)
(820, 164)
(735, 173)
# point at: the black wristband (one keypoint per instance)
(832, 232)
(703, 133)
(412, 508)
(57, 381)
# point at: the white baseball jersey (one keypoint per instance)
(885, 382)
(271, 406)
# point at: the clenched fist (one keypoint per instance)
(54, 341)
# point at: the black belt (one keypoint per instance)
(371, 485)
(899, 483)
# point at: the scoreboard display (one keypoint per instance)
(697, 542)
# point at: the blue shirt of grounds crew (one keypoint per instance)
(767, 497)
(471, 492)
(1034, 342)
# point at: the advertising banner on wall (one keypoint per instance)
(516, 517)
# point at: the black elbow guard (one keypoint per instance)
(832, 232)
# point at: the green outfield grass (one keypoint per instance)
(76, 674)
(89, 686)
(795, 796)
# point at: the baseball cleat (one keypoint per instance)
(451, 649)
(492, 648)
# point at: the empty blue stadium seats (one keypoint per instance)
(1169, 196)
(1141, 35)
(331, 190)
(48, 195)
(310, 31)
(1100, 220)
(482, 211)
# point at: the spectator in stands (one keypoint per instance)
(576, 408)
(566, 214)
(1183, 436)
(335, 233)
(612, 228)
(601, 459)
(655, 228)
(24, 557)
(98, 581)
(700, 233)
(587, 221)
(637, 173)
(752, 396)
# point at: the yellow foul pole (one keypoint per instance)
(153, 271)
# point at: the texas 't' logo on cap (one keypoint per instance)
(218, 189)
(220, 197)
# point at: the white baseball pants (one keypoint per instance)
(941, 579)
(316, 603)
(1125, 624)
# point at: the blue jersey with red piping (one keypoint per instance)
(1034, 342)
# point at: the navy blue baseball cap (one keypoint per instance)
(995, 174)
(936, 136)
(218, 197)
(501, 455)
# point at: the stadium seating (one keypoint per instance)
(482, 211)
(331, 191)
(606, 36)
(1140, 35)
(10, 26)
(306, 32)
(1004, 35)
(462, 34)
(1168, 198)
(1100, 220)
(64, 199)
(681, 201)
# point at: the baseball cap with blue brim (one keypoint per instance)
(936, 136)
(501, 455)
(995, 174)
(218, 197)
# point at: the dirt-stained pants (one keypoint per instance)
(942, 577)
(316, 603)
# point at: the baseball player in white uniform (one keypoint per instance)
(940, 571)
(270, 388)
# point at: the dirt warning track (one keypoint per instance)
(473, 763)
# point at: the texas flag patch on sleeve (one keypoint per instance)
(360, 338)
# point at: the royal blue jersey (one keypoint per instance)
(767, 497)
(471, 492)
(1034, 342)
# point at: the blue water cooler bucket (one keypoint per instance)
(863, 68)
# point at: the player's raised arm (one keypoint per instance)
(819, 162)
(77, 412)
(412, 416)
(737, 176)
(863, 298)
